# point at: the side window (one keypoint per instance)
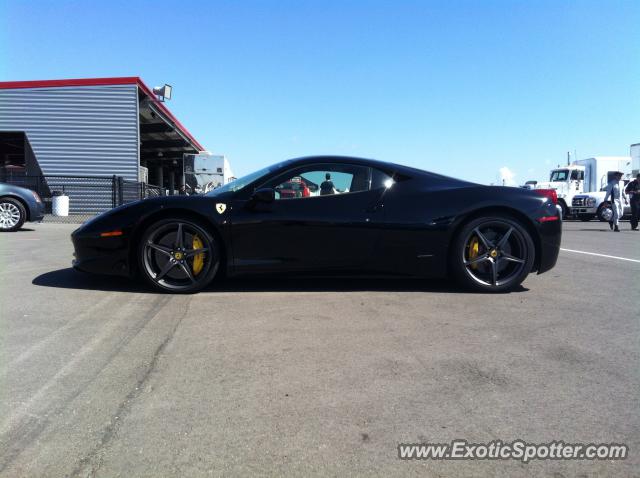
(380, 179)
(577, 175)
(321, 180)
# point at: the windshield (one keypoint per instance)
(559, 175)
(239, 183)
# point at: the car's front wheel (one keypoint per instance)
(12, 215)
(564, 208)
(605, 213)
(178, 256)
(492, 254)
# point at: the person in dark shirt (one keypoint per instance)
(327, 186)
(633, 191)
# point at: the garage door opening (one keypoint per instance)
(16, 156)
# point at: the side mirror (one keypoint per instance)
(265, 195)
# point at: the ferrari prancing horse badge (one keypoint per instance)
(221, 207)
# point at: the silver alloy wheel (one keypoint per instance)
(607, 213)
(494, 253)
(9, 215)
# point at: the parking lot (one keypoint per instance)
(100, 377)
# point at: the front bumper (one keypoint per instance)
(101, 255)
(36, 212)
(583, 210)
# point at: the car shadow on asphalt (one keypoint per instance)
(69, 278)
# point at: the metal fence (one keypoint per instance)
(88, 195)
(130, 191)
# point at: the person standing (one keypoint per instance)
(633, 191)
(327, 186)
(617, 194)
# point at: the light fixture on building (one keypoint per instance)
(163, 92)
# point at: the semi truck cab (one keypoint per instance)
(567, 182)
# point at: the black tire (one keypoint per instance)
(168, 264)
(601, 209)
(586, 217)
(12, 215)
(565, 209)
(513, 257)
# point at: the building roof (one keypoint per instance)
(125, 80)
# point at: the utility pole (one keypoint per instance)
(568, 158)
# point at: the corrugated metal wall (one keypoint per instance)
(88, 130)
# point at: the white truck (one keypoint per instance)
(582, 176)
(590, 204)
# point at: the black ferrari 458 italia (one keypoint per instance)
(329, 215)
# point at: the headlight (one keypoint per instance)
(36, 197)
(591, 202)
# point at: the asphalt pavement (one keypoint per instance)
(100, 377)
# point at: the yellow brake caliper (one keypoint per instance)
(474, 247)
(198, 259)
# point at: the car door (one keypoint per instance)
(309, 226)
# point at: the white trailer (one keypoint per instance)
(635, 159)
(596, 173)
(205, 171)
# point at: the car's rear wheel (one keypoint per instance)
(178, 256)
(12, 215)
(492, 254)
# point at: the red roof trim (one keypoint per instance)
(166, 111)
(123, 80)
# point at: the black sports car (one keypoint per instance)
(380, 218)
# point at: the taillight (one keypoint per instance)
(549, 193)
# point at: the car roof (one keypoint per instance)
(374, 163)
(385, 166)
